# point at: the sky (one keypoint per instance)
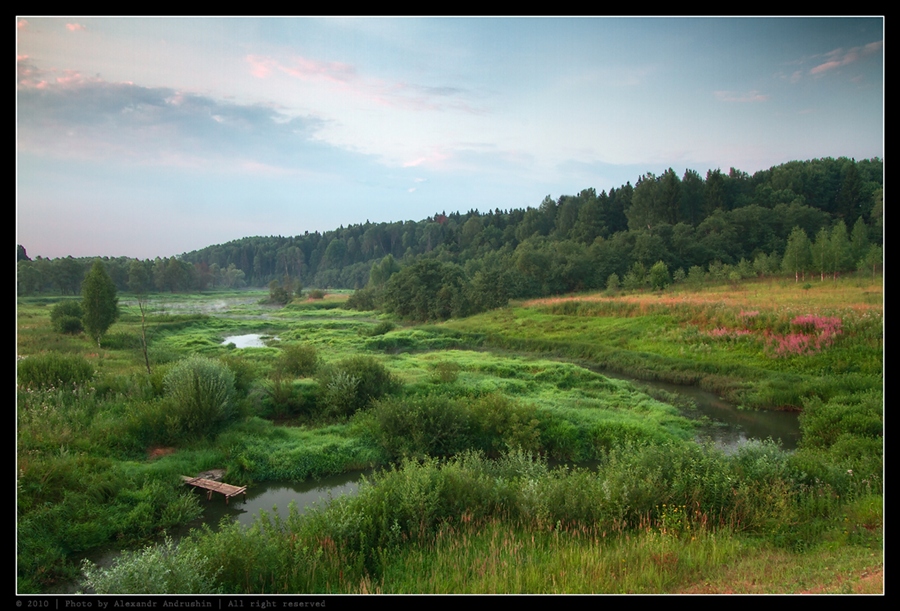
(148, 137)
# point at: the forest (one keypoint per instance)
(726, 223)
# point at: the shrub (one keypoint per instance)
(338, 390)
(280, 294)
(66, 317)
(201, 394)
(316, 294)
(69, 325)
(157, 569)
(365, 299)
(53, 369)
(352, 384)
(379, 329)
(419, 426)
(298, 359)
(504, 424)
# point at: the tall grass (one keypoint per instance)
(512, 525)
(659, 513)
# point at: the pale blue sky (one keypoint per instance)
(155, 136)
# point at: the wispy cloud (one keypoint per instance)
(347, 79)
(21, 24)
(310, 69)
(845, 57)
(75, 27)
(431, 158)
(733, 96)
(64, 114)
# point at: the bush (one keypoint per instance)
(352, 384)
(415, 427)
(316, 294)
(503, 424)
(364, 300)
(379, 329)
(201, 394)
(299, 360)
(66, 317)
(53, 369)
(157, 569)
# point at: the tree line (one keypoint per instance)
(731, 221)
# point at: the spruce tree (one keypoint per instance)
(99, 301)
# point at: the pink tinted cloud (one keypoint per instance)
(431, 158)
(332, 72)
(21, 24)
(75, 27)
(841, 57)
(30, 76)
(346, 78)
(261, 67)
(749, 96)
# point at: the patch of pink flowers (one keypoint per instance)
(821, 333)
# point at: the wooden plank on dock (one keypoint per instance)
(213, 486)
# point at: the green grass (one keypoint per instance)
(91, 469)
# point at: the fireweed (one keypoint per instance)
(818, 333)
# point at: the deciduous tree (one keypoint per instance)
(99, 301)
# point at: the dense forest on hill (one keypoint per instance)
(822, 216)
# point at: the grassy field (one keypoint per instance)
(469, 412)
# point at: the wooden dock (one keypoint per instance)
(213, 486)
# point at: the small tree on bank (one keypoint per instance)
(99, 302)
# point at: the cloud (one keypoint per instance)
(64, 114)
(432, 158)
(732, 96)
(21, 24)
(310, 69)
(842, 57)
(261, 66)
(346, 79)
(75, 27)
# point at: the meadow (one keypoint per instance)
(467, 420)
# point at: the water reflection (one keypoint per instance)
(728, 427)
(249, 340)
(266, 495)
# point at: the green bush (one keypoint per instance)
(53, 369)
(201, 396)
(379, 329)
(352, 384)
(66, 317)
(415, 427)
(157, 569)
(69, 325)
(364, 300)
(299, 360)
(503, 424)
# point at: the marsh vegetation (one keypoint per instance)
(463, 420)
